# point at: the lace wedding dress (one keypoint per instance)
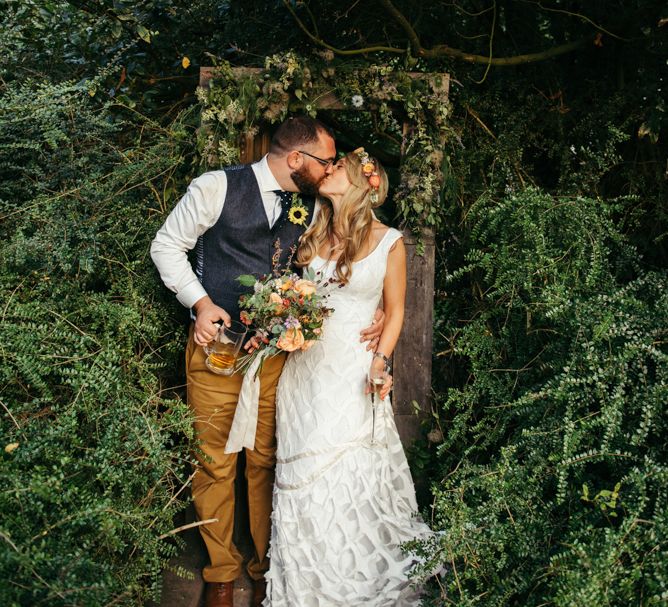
(342, 502)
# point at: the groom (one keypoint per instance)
(233, 218)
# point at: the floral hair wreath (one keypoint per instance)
(370, 172)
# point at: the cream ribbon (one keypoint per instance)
(244, 425)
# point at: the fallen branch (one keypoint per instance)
(188, 526)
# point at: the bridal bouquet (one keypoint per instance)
(286, 313)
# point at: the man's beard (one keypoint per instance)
(306, 183)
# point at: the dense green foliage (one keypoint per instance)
(546, 450)
(554, 445)
(93, 455)
(550, 368)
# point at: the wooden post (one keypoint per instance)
(412, 356)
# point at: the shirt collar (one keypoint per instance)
(266, 180)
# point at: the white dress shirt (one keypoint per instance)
(195, 213)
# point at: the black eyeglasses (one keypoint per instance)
(322, 161)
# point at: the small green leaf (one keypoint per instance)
(144, 34)
(247, 280)
(116, 29)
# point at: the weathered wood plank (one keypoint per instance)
(408, 427)
(412, 357)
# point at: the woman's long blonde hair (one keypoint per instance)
(353, 223)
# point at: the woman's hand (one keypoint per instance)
(379, 369)
(387, 387)
(254, 343)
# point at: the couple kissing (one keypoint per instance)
(330, 495)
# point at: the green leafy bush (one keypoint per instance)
(553, 455)
(93, 458)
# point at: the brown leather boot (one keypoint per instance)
(259, 592)
(219, 594)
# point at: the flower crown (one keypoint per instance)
(370, 172)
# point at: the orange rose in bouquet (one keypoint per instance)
(305, 288)
(291, 340)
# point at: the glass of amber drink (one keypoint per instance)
(222, 352)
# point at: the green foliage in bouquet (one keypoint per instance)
(92, 463)
(553, 458)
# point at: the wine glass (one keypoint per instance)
(376, 379)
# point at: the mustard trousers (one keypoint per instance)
(213, 400)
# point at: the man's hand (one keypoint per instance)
(372, 334)
(207, 314)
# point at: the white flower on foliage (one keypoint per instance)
(357, 101)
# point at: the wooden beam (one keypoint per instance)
(412, 357)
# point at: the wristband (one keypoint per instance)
(386, 360)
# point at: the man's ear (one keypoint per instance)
(294, 160)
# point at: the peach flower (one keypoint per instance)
(308, 344)
(305, 288)
(277, 300)
(291, 340)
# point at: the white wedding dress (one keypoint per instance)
(342, 504)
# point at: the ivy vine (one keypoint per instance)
(237, 103)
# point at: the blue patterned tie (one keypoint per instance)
(286, 203)
(286, 198)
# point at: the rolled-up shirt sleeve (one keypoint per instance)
(195, 213)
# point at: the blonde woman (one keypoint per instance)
(343, 498)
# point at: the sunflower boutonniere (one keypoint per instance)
(298, 213)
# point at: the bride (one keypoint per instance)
(344, 499)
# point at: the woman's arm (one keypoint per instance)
(394, 295)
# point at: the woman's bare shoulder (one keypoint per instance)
(379, 231)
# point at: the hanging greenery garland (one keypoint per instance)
(238, 102)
